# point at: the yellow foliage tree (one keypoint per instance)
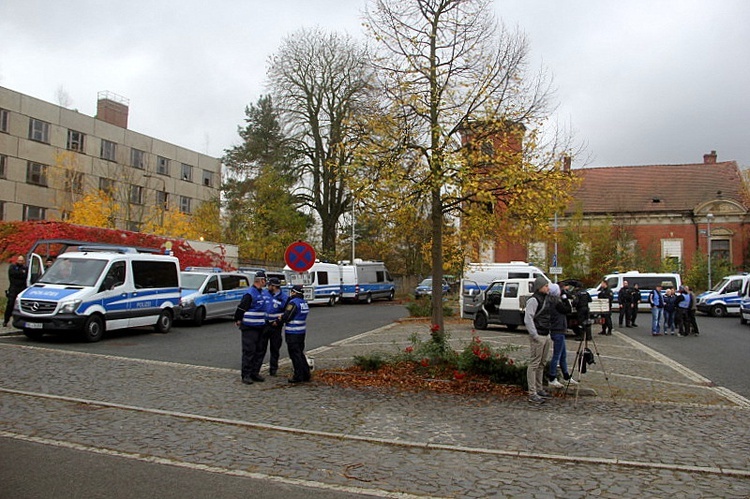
(95, 209)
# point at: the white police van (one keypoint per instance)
(646, 282)
(365, 281)
(210, 292)
(477, 278)
(98, 289)
(724, 298)
(322, 284)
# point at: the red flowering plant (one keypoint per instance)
(480, 357)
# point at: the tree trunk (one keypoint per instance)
(437, 328)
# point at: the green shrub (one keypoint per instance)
(370, 362)
(422, 307)
(481, 358)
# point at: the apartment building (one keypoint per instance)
(50, 157)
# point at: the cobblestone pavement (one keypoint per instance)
(640, 425)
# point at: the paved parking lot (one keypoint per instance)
(654, 428)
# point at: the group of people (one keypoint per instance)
(628, 299)
(673, 310)
(261, 315)
(546, 321)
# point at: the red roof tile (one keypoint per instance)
(629, 189)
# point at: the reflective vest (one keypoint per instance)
(255, 316)
(275, 305)
(298, 322)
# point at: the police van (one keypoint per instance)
(210, 292)
(646, 282)
(322, 284)
(503, 302)
(98, 289)
(365, 281)
(724, 298)
(477, 278)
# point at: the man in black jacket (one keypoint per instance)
(17, 278)
(623, 300)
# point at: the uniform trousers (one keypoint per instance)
(272, 338)
(252, 350)
(295, 344)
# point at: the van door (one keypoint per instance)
(471, 296)
(36, 269)
(113, 295)
(213, 298)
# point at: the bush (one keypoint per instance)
(370, 362)
(422, 307)
(481, 358)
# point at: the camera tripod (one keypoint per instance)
(584, 356)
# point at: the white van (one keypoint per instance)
(101, 288)
(725, 297)
(646, 282)
(478, 276)
(323, 284)
(366, 281)
(503, 303)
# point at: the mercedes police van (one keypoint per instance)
(323, 283)
(209, 293)
(477, 278)
(98, 289)
(724, 298)
(646, 282)
(366, 281)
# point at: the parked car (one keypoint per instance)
(425, 288)
(209, 293)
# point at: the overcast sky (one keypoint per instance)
(639, 81)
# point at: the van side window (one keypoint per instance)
(733, 286)
(115, 276)
(322, 277)
(153, 274)
(511, 290)
(520, 275)
(229, 282)
(380, 276)
(612, 282)
(213, 283)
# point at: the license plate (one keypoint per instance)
(33, 325)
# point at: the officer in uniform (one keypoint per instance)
(295, 318)
(17, 279)
(250, 316)
(275, 306)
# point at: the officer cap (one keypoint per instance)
(297, 288)
(274, 281)
(260, 275)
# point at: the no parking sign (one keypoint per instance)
(300, 256)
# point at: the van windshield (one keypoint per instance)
(720, 284)
(74, 272)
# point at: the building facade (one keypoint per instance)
(50, 157)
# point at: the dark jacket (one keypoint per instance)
(17, 278)
(550, 317)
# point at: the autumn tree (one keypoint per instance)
(320, 84)
(465, 118)
(262, 214)
(95, 209)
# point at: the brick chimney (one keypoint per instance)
(709, 159)
(112, 108)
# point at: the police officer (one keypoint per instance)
(606, 294)
(250, 316)
(17, 279)
(272, 335)
(295, 318)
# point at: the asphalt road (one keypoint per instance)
(721, 353)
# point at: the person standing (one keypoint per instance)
(656, 300)
(272, 335)
(623, 300)
(17, 279)
(635, 299)
(683, 305)
(670, 310)
(559, 325)
(295, 318)
(606, 294)
(538, 319)
(692, 312)
(250, 316)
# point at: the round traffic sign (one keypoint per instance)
(300, 256)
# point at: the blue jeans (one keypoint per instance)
(669, 317)
(559, 355)
(656, 314)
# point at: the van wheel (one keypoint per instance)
(743, 321)
(164, 323)
(391, 295)
(368, 298)
(199, 317)
(480, 321)
(93, 329)
(332, 301)
(33, 334)
(718, 311)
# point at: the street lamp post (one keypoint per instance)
(709, 217)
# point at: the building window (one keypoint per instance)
(107, 185)
(187, 172)
(36, 173)
(208, 178)
(137, 158)
(38, 130)
(75, 140)
(74, 182)
(108, 150)
(34, 213)
(185, 204)
(2, 210)
(162, 199)
(162, 165)
(134, 226)
(3, 166)
(4, 120)
(136, 194)
(720, 249)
